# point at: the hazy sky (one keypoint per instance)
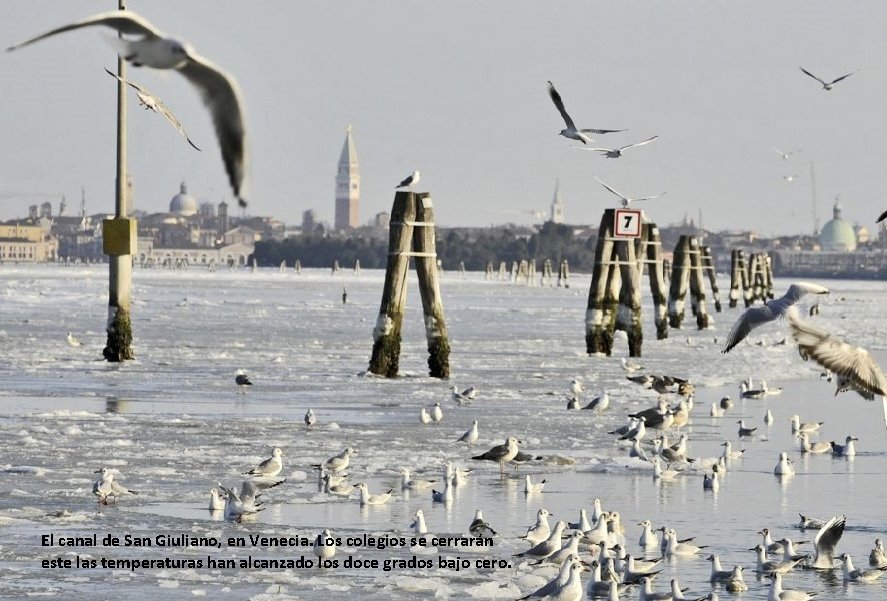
(457, 89)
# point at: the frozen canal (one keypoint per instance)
(173, 425)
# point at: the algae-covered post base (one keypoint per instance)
(118, 347)
(429, 289)
(598, 328)
(386, 334)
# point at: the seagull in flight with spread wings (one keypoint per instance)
(615, 153)
(219, 90)
(854, 367)
(826, 85)
(153, 103)
(626, 200)
(785, 155)
(772, 310)
(571, 132)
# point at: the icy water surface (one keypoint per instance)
(173, 425)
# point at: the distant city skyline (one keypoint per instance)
(426, 87)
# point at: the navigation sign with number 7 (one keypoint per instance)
(627, 223)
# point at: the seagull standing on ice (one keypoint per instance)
(270, 467)
(826, 85)
(219, 90)
(310, 419)
(571, 132)
(772, 310)
(69, 338)
(153, 103)
(470, 436)
(410, 181)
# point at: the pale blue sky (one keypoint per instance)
(457, 89)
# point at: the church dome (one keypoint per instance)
(837, 234)
(183, 203)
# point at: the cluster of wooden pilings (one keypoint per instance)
(752, 280)
(690, 263)
(524, 272)
(614, 298)
(411, 235)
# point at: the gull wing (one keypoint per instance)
(221, 95)
(158, 106)
(748, 321)
(826, 542)
(797, 290)
(881, 217)
(813, 76)
(851, 362)
(647, 141)
(840, 78)
(646, 197)
(556, 98)
(611, 190)
(123, 21)
(601, 131)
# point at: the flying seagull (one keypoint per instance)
(772, 310)
(219, 90)
(615, 153)
(153, 103)
(626, 200)
(410, 181)
(571, 132)
(826, 85)
(784, 154)
(854, 366)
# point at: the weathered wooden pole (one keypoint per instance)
(386, 334)
(297, 266)
(119, 240)
(598, 339)
(514, 271)
(680, 281)
(708, 265)
(735, 278)
(628, 315)
(546, 273)
(758, 277)
(768, 275)
(697, 285)
(429, 288)
(488, 271)
(503, 271)
(462, 269)
(336, 267)
(745, 271)
(655, 270)
(531, 273)
(282, 267)
(357, 267)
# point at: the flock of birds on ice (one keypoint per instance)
(597, 543)
(601, 534)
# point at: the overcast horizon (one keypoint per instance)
(458, 91)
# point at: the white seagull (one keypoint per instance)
(772, 310)
(153, 103)
(71, 340)
(786, 155)
(615, 153)
(826, 85)
(367, 499)
(219, 90)
(106, 487)
(501, 454)
(324, 545)
(269, 467)
(853, 365)
(826, 541)
(857, 574)
(410, 180)
(571, 132)
(626, 200)
(310, 419)
(216, 500)
(784, 466)
(470, 436)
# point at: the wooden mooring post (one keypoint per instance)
(708, 266)
(735, 277)
(488, 271)
(503, 271)
(598, 331)
(411, 234)
(697, 285)
(628, 314)
(680, 282)
(656, 272)
(563, 274)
